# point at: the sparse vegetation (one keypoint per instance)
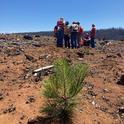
(62, 88)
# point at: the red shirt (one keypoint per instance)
(93, 32)
(55, 29)
(60, 24)
(81, 30)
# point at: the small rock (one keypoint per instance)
(19, 94)
(119, 55)
(97, 122)
(80, 59)
(30, 99)
(81, 110)
(92, 93)
(37, 44)
(1, 77)
(106, 91)
(28, 37)
(111, 56)
(13, 52)
(44, 56)
(89, 86)
(22, 116)
(104, 98)
(121, 80)
(30, 58)
(33, 120)
(93, 103)
(80, 54)
(41, 120)
(87, 96)
(104, 109)
(20, 122)
(10, 109)
(1, 96)
(37, 35)
(27, 76)
(121, 110)
(37, 77)
(92, 71)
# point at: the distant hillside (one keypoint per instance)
(111, 34)
(41, 33)
(108, 34)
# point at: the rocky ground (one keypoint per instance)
(101, 99)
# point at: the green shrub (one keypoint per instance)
(62, 88)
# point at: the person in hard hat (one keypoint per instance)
(67, 35)
(86, 40)
(80, 34)
(92, 35)
(74, 34)
(60, 32)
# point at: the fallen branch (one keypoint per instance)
(43, 68)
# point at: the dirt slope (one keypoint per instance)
(102, 99)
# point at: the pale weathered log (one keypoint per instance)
(43, 68)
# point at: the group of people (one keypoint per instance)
(73, 36)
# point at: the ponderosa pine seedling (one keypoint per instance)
(62, 88)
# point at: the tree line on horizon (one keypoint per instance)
(110, 34)
(101, 34)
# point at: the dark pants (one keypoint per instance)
(79, 36)
(60, 37)
(67, 42)
(92, 42)
(74, 39)
(87, 43)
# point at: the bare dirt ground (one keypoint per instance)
(101, 99)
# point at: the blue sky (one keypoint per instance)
(41, 15)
